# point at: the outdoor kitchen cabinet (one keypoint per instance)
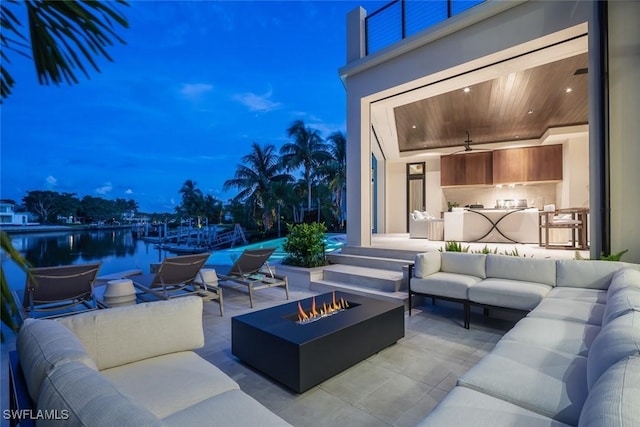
(527, 164)
(466, 169)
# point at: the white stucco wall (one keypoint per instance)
(624, 104)
(573, 192)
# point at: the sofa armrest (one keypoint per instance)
(20, 403)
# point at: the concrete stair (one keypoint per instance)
(375, 272)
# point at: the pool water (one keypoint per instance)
(333, 242)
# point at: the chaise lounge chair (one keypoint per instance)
(175, 277)
(55, 290)
(248, 271)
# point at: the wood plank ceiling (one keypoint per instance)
(516, 106)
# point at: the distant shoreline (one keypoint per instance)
(23, 229)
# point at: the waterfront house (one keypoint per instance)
(8, 216)
(404, 88)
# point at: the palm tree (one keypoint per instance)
(63, 36)
(254, 178)
(307, 151)
(192, 199)
(336, 170)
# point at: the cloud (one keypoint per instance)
(195, 90)
(51, 181)
(258, 103)
(128, 191)
(105, 188)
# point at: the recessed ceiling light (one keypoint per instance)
(413, 127)
(568, 90)
(466, 90)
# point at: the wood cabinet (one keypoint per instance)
(466, 169)
(528, 164)
(545, 163)
(509, 166)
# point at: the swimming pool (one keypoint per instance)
(333, 242)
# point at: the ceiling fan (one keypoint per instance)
(467, 146)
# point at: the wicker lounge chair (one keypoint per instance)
(252, 270)
(55, 290)
(175, 277)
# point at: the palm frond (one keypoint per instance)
(8, 306)
(64, 37)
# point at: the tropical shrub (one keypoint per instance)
(603, 257)
(305, 245)
(453, 246)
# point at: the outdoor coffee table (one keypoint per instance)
(301, 356)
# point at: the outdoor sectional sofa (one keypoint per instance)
(573, 360)
(130, 366)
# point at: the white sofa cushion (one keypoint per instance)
(585, 273)
(549, 382)
(614, 398)
(448, 285)
(463, 406)
(170, 383)
(464, 263)
(522, 269)
(575, 311)
(619, 339)
(623, 279)
(569, 337)
(579, 294)
(43, 344)
(85, 398)
(426, 263)
(231, 408)
(507, 293)
(123, 335)
(622, 302)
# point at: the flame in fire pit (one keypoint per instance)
(326, 310)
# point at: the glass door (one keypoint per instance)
(415, 188)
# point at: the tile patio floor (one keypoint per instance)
(396, 387)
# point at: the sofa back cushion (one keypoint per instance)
(128, 334)
(620, 303)
(613, 400)
(585, 273)
(43, 344)
(464, 263)
(534, 270)
(622, 279)
(426, 264)
(80, 396)
(619, 339)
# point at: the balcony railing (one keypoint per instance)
(401, 18)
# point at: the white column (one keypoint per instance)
(624, 127)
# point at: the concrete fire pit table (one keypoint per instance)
(302, 355)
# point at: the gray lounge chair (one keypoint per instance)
(174, 278)
(55, 290)
(252, 270)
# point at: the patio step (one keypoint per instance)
(371, 278)
(328, 286)
(393, 264)
(377, 252)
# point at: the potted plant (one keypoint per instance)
(305, 245)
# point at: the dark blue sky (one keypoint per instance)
(195, 85)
